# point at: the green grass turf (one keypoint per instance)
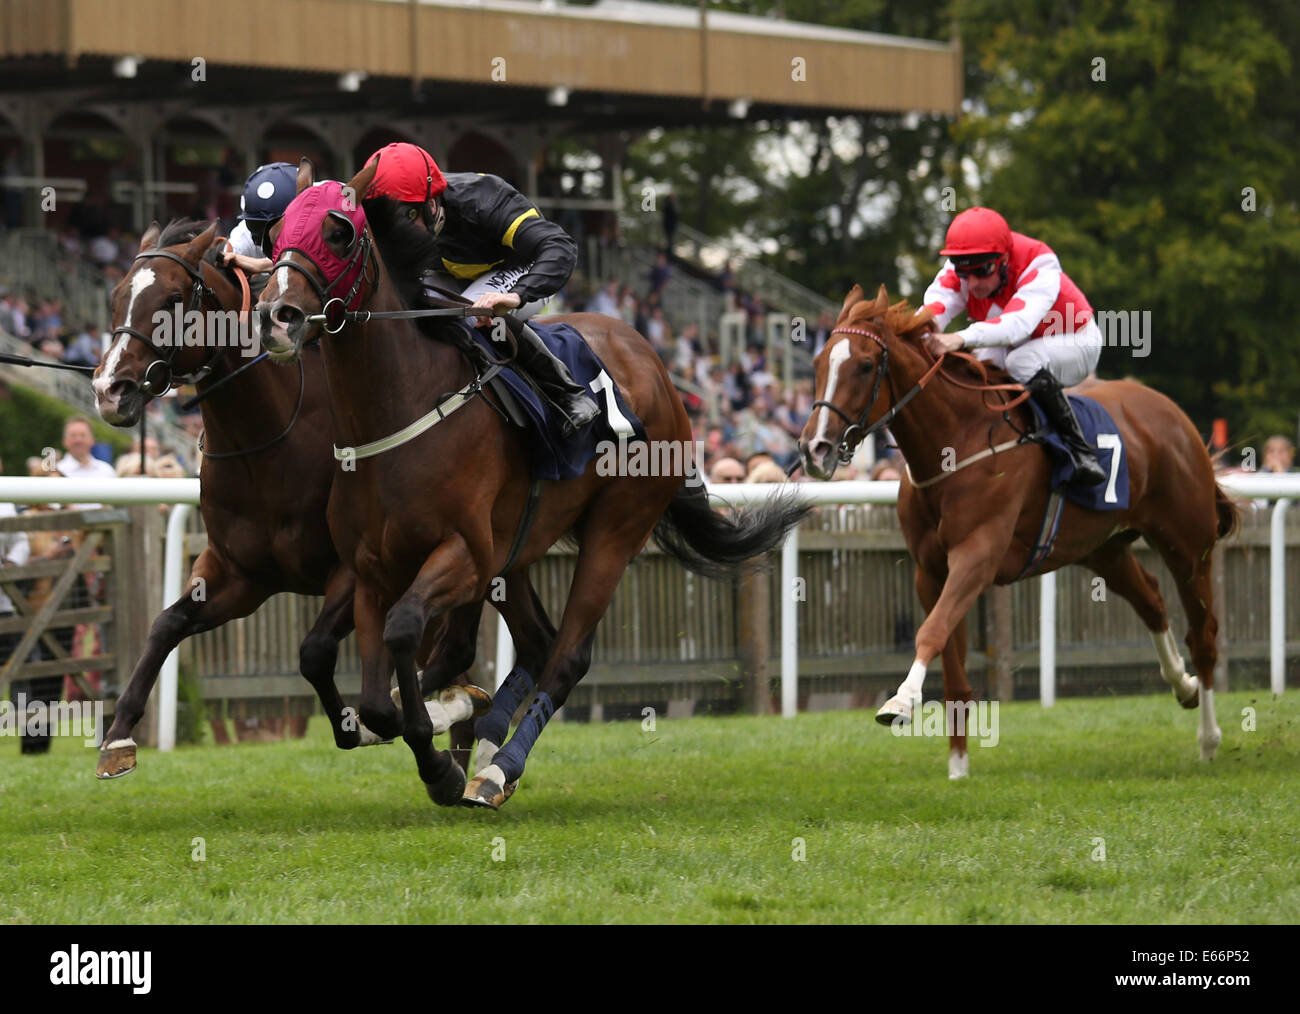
(694, 822)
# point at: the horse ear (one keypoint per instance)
(360, 183)
(306, 174)
(150, 238)
(198, 246)
(882, 302)
(855, 296)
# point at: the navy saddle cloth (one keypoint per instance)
(551, 455)
(1104, 437)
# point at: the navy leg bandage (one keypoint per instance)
(511, 758)
(496, 723)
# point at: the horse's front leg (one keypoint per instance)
(229, 594)
(449, 579)
(972, 566)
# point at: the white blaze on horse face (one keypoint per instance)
(140, 281)
(839, 352)
(282, 281)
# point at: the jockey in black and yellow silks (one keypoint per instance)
(495, 249)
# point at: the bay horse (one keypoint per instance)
(972, 518)
(265, 478)
(428, 523)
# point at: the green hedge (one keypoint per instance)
(30, 421)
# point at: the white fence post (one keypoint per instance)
(173, 571)
(1047, 639)
(789, 626)
(1277, 597)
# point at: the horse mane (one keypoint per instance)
(185, 230)
(408, 250)
(911, 326)
(180, 230)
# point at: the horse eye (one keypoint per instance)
(867, 367)
(412, 213)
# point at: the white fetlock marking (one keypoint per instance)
(909, 693)
(1208, 735)
(483, 755)
(493, 773)
(117, 744)
(911, 687)
(438, 716)
(958, 765)
(457, 704)
(1173, 670)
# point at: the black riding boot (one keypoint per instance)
(1051, 398)
(556, 382)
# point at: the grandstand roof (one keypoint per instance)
(622, 62)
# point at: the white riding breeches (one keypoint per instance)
(1070, 358)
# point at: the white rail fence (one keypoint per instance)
(184, 494)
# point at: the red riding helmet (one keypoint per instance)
(977, 231)
(407, 173)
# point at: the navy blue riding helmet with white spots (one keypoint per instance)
(267, 193)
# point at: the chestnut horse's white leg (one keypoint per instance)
(1173, 670)
(900, 706)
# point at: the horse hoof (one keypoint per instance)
(1192, 700)
(448, 789)
(480, 698)
(464, 703)
(116, 760)
(368, 738)
(486, 791)
(893, 709)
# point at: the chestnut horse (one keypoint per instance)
(427, 523)
(972, 519)
(265, 479)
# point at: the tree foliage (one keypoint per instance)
(1152, 143)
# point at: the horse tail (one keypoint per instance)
(1228, 511)
(714, 543)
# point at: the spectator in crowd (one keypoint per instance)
(627, 308)
(1279, 454)
(13, 316)
(822, 331)
(84, 350)
(766, 471)
(756, 459)
(727, 470)
(660, 273)
(886, 470)
(670, 221)
(79, 463)
(726, 280)
(104, 249)
(605, 300)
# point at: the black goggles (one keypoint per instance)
(976, 267)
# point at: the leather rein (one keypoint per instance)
(859, 429)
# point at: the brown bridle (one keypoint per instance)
(851, 436)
